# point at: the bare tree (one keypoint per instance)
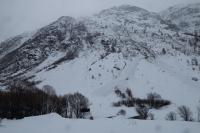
(185, 113)
(153, 96)
(49, 90)
(77, 105)
(198, 113)
(171, 116)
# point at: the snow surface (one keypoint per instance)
(53, 123)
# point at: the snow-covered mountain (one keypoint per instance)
(123, 47)
(13, 43)
(186, 17)
(62, 35)
(126, 29)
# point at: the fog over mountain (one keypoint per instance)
(18, 16)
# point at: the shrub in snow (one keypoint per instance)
(194, 62)
(153, 96)
(171, 116)
(129, 93)
(119, 93)
(153, 100)
(117, 104)
(164, 51)
(185, 113)
(121, 112)
(195, 79)
(91, 118)
(142, 112)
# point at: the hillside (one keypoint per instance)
(186, 17)
(121, 47)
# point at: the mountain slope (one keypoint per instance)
(62, 35)
(123, 47)
(126, 29)
(187, 17)
(13, 43)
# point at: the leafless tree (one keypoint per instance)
(198, 113)
(49, 90)
(185, 113)
(153, 96)
(171, 116)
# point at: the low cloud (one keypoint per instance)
(18, 16)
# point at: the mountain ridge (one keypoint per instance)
(127, 29)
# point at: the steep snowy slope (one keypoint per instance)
(63, 35)
(187, 17)
(13, 43)
(97, 78)
(133, 30)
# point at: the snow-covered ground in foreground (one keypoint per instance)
(53, 123)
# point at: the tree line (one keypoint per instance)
(20, 99)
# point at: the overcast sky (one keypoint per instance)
(17, 16)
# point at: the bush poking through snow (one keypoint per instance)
(153, 96)
(185, 113)
(195, 79)
(142, 112)
(119, 93)
(122, 112)
(129, 93)
(153, 100)
(171, 116)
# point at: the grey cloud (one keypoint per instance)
(17, 16)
